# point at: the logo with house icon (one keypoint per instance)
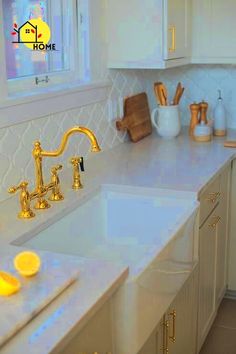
(34, 34)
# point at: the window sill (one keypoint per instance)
(19, 108)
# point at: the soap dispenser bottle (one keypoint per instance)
(219, 117)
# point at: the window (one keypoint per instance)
(64, 59)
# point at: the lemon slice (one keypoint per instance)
(8, 284)
(27, 263)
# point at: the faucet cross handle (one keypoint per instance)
(23, 185)
(25, 199)
(78, 164)
(56, 194)
(55, 169)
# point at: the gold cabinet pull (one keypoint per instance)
(173, 337)
(165, 348)
(167, 336)
(212, 197)
(172, 29)
(217, 219)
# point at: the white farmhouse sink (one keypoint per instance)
(152, 231)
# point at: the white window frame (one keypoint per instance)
(25, 84)
(48, 99)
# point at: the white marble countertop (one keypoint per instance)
(178, 164)
(71, 310)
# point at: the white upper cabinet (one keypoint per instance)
(148, 34)
(214, 39)
(166, 33)
(176, 29)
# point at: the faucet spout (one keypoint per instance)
(94, 144)
(39, 153)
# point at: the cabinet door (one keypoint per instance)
(207, 277)
(183, 318)
(213, 31)
(95, 337)
(232, 233)
(222, 238)
(176, 31)
(154, 344)
(134, 32)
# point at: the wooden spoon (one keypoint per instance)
(161, 93)
(178, 94)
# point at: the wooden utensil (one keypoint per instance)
(178, 88)
(161, 93)
(164, 94)
(230, 144)
(158, 93)
(137, 119)
(178, 94)
(158, 97)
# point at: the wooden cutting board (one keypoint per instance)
(56, 274)
(137, 120)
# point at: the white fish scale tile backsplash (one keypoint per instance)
(200, 81)
(16, 141)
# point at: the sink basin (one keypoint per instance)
(116, 223)
(150, 230)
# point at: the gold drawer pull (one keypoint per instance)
(173, 337)
(172, 29)
(213, 197)
(217, 220)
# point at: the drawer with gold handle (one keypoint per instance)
(172, 316)
(216, 220)
(209, 199)
(213, 197)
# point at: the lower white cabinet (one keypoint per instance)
(183, 329)
(213, 246)
(95, 337)
(177, 332)
(232, 234)
(155, 343)
(207, 279)
(222, 237)
(186, 323)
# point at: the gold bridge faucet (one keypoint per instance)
(41, 189)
